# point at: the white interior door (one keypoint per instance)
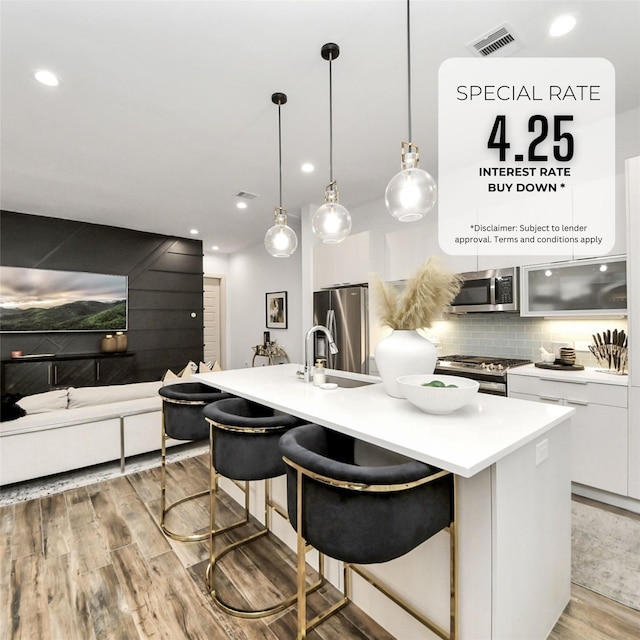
(212, 321)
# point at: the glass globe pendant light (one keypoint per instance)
(280, 240)
(411, 193)
(331, 223)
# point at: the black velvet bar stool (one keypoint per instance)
(363, 514)
(183, 419)
(244, 446)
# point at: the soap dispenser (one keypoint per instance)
(318, 375)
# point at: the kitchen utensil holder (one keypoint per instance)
(611, 356)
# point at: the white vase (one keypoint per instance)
(403, 353)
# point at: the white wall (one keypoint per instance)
(215, 264)
(251, 274)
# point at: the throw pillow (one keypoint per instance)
(90, 396)
(183, 376)
(169, 377)
(207, 367)
(47, 401)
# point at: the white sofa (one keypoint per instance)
(71, 428)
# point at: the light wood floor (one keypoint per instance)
(92, 564)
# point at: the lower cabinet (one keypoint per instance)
(117, 370)
(74, 373)
(599, 432)
(27, 377)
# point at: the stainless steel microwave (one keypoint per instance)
(486, 291)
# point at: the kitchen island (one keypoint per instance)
(510, 458)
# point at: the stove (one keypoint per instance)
(490, 372)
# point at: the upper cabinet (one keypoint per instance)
(348, 262)
(593, 287)
(408, 248)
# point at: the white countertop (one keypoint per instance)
(589, 374)
(464, 442)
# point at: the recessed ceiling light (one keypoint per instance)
(194, 232)
(46, 77)
(241, 205)
(562, 25)
(215, 247)
(307, 167)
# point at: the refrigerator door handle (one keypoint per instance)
(331, 325)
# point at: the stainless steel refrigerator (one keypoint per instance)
(344, 312)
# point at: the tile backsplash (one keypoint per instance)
(509, 335)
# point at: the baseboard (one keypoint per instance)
(613, 499)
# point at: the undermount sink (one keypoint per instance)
(347, 383)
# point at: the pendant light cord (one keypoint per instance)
(280, 152)
(409, 68)
(330, 122)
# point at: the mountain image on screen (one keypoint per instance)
(81, 315)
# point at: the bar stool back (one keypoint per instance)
(362, 514)
(183, 419)
(244, 446)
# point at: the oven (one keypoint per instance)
(490, 372)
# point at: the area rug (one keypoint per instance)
(605, 554)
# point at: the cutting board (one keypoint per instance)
(556, 366)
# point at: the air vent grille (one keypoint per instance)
(246, 195)
(500, 41)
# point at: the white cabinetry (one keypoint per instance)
(591, 287)
(632, 169)
(599, 431)
(407, 249)
(348, 262)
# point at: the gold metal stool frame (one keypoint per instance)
(268, 504)
(304, 627)
(164, 508)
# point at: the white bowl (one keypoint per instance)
(438, 400)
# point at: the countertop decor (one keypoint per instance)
(426, 296)
(404, 351)
(611, 350)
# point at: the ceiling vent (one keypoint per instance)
(246, 195)
(500, 41)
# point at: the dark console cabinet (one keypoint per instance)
(27, 376)
(114, 370)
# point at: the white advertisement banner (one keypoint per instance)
(526, 156)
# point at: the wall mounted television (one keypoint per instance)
(44, 300)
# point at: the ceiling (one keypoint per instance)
(164, 110)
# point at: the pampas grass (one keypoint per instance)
(427, 294)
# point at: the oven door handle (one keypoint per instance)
(495, 388)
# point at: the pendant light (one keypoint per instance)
(280, 240)
(411, 193)
(331, 223)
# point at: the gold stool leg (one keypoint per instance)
(164, 508)
(302, 561)
(214, 558)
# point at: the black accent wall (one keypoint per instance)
(165, 287)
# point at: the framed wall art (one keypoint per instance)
(276, 310)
